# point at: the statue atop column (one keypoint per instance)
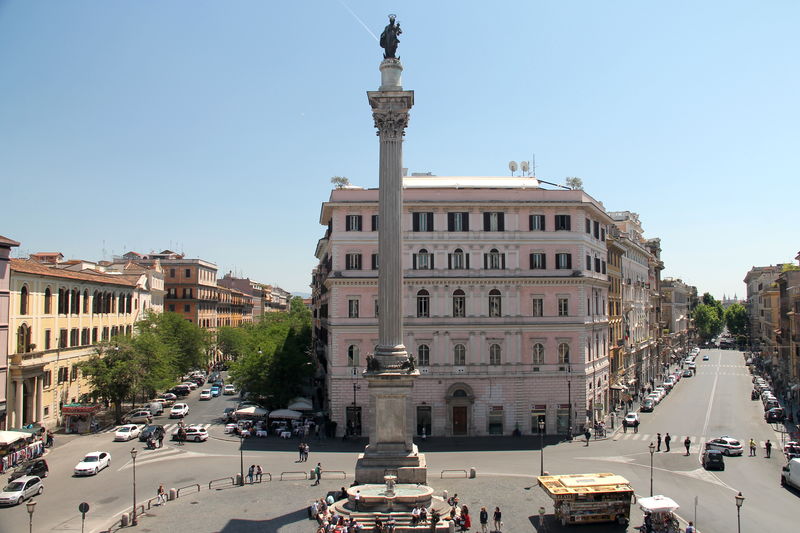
(389, 40)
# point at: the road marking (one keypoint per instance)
(708, 413)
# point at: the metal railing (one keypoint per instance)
(460, 471)
(229, 478)
(197, 485)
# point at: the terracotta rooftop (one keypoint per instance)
(31, 267)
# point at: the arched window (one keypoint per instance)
(23, 301)
(423, 260)
(96, 303)
(48, 301)
(423, 304)
(459, 393)
(424, 353)
(563, 353)
(494, 260)
(86, 301)
(76, 302)
(538, 354)
(23, 339)
(459, 304)
(457, 259)
(494, 354)
(352, 355)
(128, 301)
(459, 355)
(62, 301)
(495, 300)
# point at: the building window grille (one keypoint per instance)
(538, 307)
(563, 353)
(495, 303)
(564, 261)
(538, 354)
(459, 355)
(352, 308)
(563, 307)
(494, 355)
(423, 304)
(424, 355)
(459, 304)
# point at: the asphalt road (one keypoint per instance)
(714, 402)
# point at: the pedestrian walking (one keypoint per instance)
(162, 495)
(752, 448)
(483, 518)
(587, 435)
(687, 442)
(690, 528)
(658, 438)
(300, 450)
(357, 500)
(259, 473)
(624, 426)
(318, 473)
(250, 472)
(768, 447)
(667, 440)
(306, 448)
(636, 426)
(498, 520)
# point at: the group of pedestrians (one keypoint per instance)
(767, 448)
(302, 449)
(255, 472)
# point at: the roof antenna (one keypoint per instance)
(533, 165)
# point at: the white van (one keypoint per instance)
(790, 475)
(157, 408)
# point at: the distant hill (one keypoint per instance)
(301, 294)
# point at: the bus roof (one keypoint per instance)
(584, 484)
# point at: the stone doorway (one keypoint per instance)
(459, 398)
(459, 420)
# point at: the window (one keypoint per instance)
(172, 308)
(424, 353)
(457, 260)
(538, 307)
(172, 272)
(459, 304)
(94, 335)
(47, 379)
(86, 301)
(603, 267)
(536, 222)
(48, 301)
(73, 337)
(493, 221)
(187, 308)
(459, 355)
(563, 353)
(187, 273)
(47, 339)
(563, 307)
(588, 262)
(538, 354)
(602, 234)
(563, 223)
(353, 223)
(352, 308)
(597, 264)
(352, 262)
(374, 261)
(588, 226)
(62, 338)
(564, 261)
(62, 304)
(423, 304)
(458, 221)
(494, 355)
(73, 374)
(85, 337)
(23, 300)
(352, 355)
(422, 221)
(538, 261)
(423, 260)
(63, 374)
(494, 260)
(495, 308)
(374, 222)
(23, 339)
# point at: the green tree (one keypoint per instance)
(708, 321)
(736, 319)
(113, 372)
(186, 343)
(232, 341)
(574, 183)
(340, 182)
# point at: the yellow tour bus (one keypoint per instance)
(588, 498)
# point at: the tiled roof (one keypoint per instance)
(31, 267)
(8, 242)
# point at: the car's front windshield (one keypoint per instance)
(90, 459)
(15, 486)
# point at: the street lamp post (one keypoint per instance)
(241, 460)
(739, 502)
(133, 456)
(31, 505)
(652, 451)
(541, 447)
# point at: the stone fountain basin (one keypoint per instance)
(403, 494)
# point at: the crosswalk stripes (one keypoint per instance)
(167, 427)
(677, 441)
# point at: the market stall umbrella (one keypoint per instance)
(10, 437)
(301, 404)
(287, 414)
(251, 411)
(658, 504)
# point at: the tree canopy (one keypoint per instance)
(736, 319)
(708, 317)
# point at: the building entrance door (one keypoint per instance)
(459, 420)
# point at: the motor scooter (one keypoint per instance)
(151, 444)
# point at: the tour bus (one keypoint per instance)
(589, 498)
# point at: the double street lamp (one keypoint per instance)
(739, 502)
(541, 446)
(652, 451)
(31, 505)
(134, 451)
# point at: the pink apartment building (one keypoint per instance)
(505, 305)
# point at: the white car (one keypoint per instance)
(205, 394)
(661, 391)
(228, 390)
(656, 397)
(631, 419)
(21, 489)
(193, 433)
(692, 365)
(179, 410)
(93, 463)
(127, 432)
(727, 445)
(191, 384)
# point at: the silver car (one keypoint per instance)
(21, 489)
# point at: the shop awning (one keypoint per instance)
(79, 409)
(251, 411)
(10, 437)
(285, 414)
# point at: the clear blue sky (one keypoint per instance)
(215, 127)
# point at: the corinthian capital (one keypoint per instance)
(390, 124)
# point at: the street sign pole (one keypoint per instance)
(83, 508)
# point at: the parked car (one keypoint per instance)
(181, 390)
(199, 380)
(156, 408)
(191, 384)
(654, 397)
(230, 428)
(688, 373)
(790, 474)
(647, 405)
(21, 489)
(229, 390)
(630, 419)
(712, 460)
(179, 410)
(167, 399)
(154, 430)
(772, 403)
(127, 432)
(705, 357)
(205, 394)
(37, 467)
(227, 413)
(776, 414)
(692, 365)
(193, 433)
(727, 445)
(93, 463)
(141, 416)
(215, 391)
(661, 391)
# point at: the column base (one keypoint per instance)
(373, 464)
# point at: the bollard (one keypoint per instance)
(311, 474)
(237, 480)
(472, 473)
(173, 494)
(125, 520)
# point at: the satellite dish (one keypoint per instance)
(524, 166)
(512, 166)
